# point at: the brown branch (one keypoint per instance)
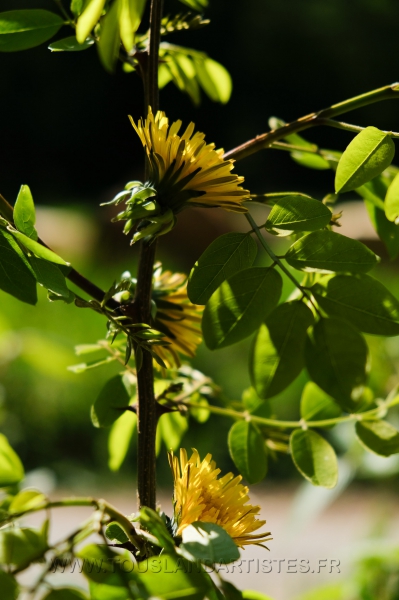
(322, 117)
(147, 410)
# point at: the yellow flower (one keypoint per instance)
(185, 170)
(200, 496)
(176, 316)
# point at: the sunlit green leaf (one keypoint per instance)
(49, 276)
(316, 405)
(238, 307)
(71, 44)
(154, 523)
(247, 449)
(378, 436)
(172, 427)
(77, 6)
(109, 43)
(387, 231)
(277, 355)
(16, 276)
(227, 255)
(392, 200)
(100, 564)
(23, 29)
(295, 213)
(252, 595)
(20, 547)
(65, 594)
(325, 251)
(116, 534)
(337, 360)
(214, 79)
(26, 500)
(88, 19)
(120, 436)
(11, 468)
(310, 160)
(360, 299)
(130, 13)
(209, 543)
(368, 155)
(37, 249)
(9, 586)
(24, 213)
(110, 404)
(198, 5)
(187, 581)
(314, 458)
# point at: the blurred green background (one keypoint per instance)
(65, 133)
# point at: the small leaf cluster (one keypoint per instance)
(112, 26)
(320, 327)
(132, 550)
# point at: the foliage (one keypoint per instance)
(153, 320)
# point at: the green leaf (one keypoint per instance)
(316, 405)
(295, 213)
(252, 595)
(172, 427)
(239, 306)
(120, 436)
(214, 79)
(314, 458)
(116, 534)
(154, 523)
(130, 14)
(26, 500)
(360, 299)
(209, 543)
(110, 403)
(65, 594)
(49, 276)
(24, 213)
(247, 449)
(100, 564)
(326, 251)
(174, 578)
(368, 155)
(37, 249)
(9, 586)
(392, 200)
(310, 160)
(23, 29)
(256, 405)
(183, 73)
(107, 591)
(277, 355)
(387, 232)
(20, 547)
(88, 19)
(378, 436)
(77, 7)
(16, 276)
(337, 360)
(11, 468)
(109, 44)
(198, 5)
(71, 44)
(227, 255)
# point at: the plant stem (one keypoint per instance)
(146, 407)
(389, 92)
(277, 260)
(374, 413)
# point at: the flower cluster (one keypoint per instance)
(183, 171)
(200, 496)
